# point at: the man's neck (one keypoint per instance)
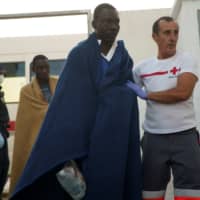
(165, 55)
(105, 47)
(42, 82)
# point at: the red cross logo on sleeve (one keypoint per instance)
(174, 70)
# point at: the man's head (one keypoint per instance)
(106, 22)
(40, 67)
(165, 33)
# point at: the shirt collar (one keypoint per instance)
(111, 52)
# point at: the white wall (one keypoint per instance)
(23, 48)
(136, 31)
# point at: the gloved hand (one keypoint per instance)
(137, 89)
(2, 141)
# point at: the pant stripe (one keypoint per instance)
(153, 195)
(193, 193)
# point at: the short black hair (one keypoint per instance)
(100, 7)
(155, 27)
(38, 57)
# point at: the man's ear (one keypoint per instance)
(154, 36)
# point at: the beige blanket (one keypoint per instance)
(31, 112)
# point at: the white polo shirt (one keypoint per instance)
(159, 75)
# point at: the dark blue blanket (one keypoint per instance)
(92, 119)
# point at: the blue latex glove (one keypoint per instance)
(2, 141)
(137, 89)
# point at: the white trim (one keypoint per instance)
(153, 194)
(176, 8)
(187, 192)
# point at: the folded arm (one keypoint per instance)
(183, 90)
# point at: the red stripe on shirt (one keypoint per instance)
(154, 74)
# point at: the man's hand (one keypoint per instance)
(137, 89)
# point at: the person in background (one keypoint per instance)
(4, 134)
(92, 120)
(171, 140)
(34, 100)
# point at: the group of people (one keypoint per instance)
(92, 119)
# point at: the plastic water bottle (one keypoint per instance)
(2, 140)
(72, 181)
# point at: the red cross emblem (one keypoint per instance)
(174, 70)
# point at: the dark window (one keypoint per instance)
(56, 67)
(14, 69)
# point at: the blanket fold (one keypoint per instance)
(31, 111)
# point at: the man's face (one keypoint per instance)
(106, 25)
(41, 69)
(166, 38)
